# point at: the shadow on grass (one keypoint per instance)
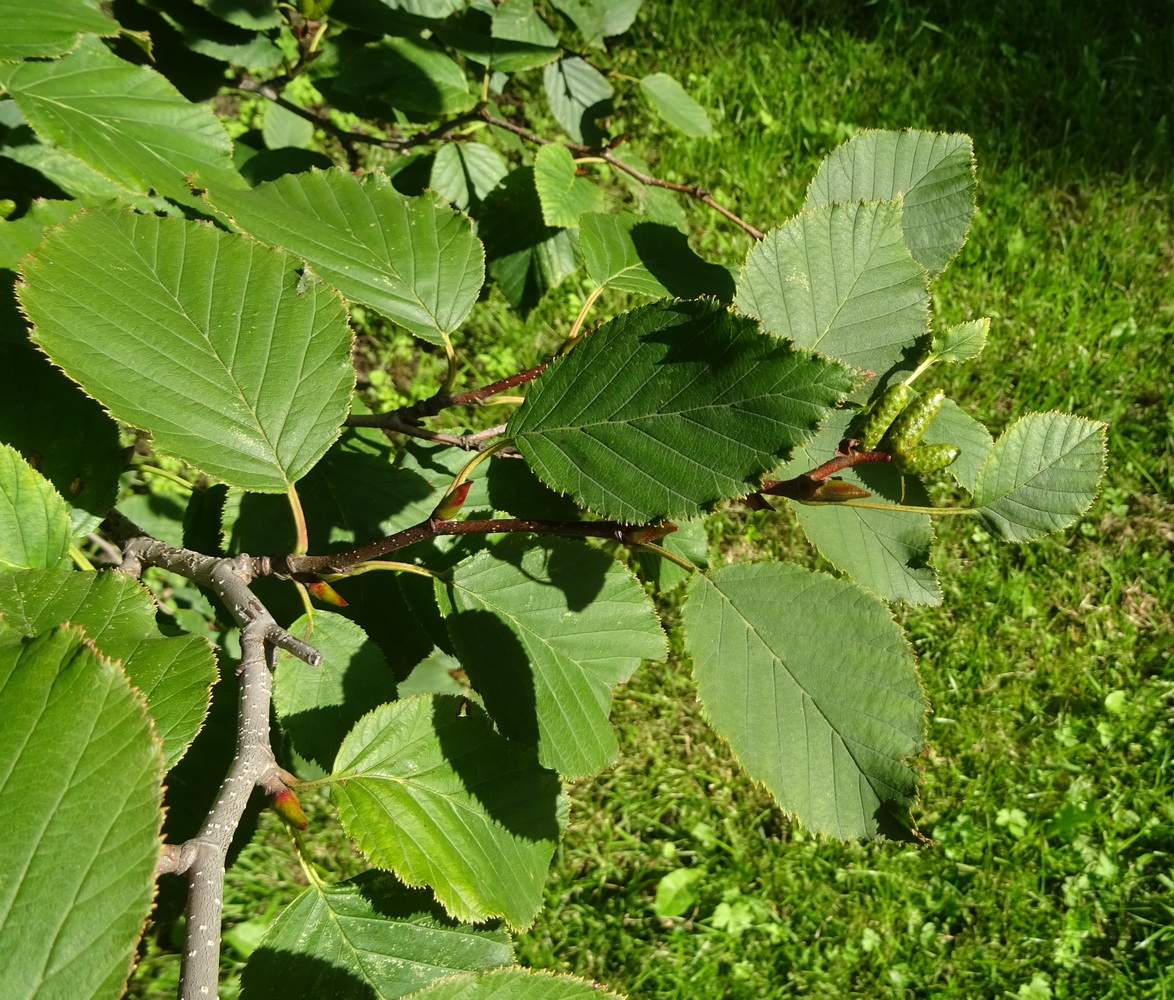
(1075, 89)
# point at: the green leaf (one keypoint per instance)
(648, 258)
(34, 522)
(564, 196)
(428, 789)
(669, 99)
(886, 551)
(209, 35)
(690, 541)
(174, 673)
(406, 74)
(524, 256)
(1041, 475)
(508, 38)
(253, 14)
(317, 706)
(961, 342)
(22, 235)
(600, 19)
(248, 375)
(578, 95)
(670, 408)
(955, 426)
(840, 280)
(813, 685)
(127, 122)
(49, 27)
(545, 629)
(465, 172)
(516, 984)
(72, 443)
(517, 21)
(281, 128)
(368, 938)
(414, 259)
(675, 893)
(932, 172)
(82, 792)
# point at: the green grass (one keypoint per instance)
(1046, 868)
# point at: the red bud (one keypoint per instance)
(326, 593)
(452, 503)
(287, 806)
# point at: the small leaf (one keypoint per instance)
(886, 551)
(670, 408)
(933, 173)
(675, 893)
(600, 19)
(34, 521)
(318, 706)
(961, 342)
(524, 256)
(50, 27)
(953, 425)
(368, 937)
(675, 106)
(516, 984)
(465, 172)
(414, 259)
(281, 128)
(253, 14)
(127, 122)
(840, 280)
(82, 788)
(545, 630)
(72, 442)
(1042, 474)
(814, 686)
(407, 74)
(648, 258)
(174, 673)
(564, 196)
(244, 377)
(428, 789)
(578, 95)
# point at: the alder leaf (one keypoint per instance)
(962, 341)
(203, 338)
(428, 789)
(669, 408)
(127, 122)
(578, 95)
(564, 196)
(887, 551)
(933, 174)
(318, 705)
(545, 630)
(368, 938)
(671, 101)
(840, 280)
(174, 673)
(34, 522)
(81, 779)
(49, 27)
(516, 984)
(648, 258)
(814, 686)
(1041, 475)
(414, 259)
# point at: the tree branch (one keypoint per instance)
(341, 562)
(695, 191)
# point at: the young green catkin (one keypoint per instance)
(890, 403)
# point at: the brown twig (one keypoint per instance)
(341, 562)
(695, 191)
(810, 484)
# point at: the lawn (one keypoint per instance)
(1043, 862)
